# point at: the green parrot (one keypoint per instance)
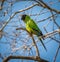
(32, 27)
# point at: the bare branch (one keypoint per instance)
(17, 13)
(48, 35)
(24, 57)
(46, 18)
(37, 51)
(56, 53)
(52, 33)
(54, 20)
(43, 4)
(2, 4)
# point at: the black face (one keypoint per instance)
(23, 17)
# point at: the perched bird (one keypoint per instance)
(32, 27)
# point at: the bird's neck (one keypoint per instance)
(27, 19)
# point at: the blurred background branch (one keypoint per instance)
(15, 39)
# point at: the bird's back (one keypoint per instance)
(32, 27)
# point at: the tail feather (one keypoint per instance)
(43, 44)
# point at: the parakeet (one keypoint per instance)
(32, 27)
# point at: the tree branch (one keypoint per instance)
(2, 4)
(48, 35)
(43, 4)
(46, 18)
(56, 53)
(24, 57)
(17, 13)
(37, 51)
(51, 33)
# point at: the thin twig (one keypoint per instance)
(51, 33)
(56, 53)
(46, 18)
(43, 4)
(17, 13)
(37, 51)
(48, 35)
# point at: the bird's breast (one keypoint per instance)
(28, 29)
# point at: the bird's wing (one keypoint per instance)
(35, 28)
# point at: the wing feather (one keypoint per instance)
(34, 27)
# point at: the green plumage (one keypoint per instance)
(32, 27)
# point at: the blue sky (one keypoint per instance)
(16, 22)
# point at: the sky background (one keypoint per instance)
(10, 41)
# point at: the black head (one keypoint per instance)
(23, 17)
